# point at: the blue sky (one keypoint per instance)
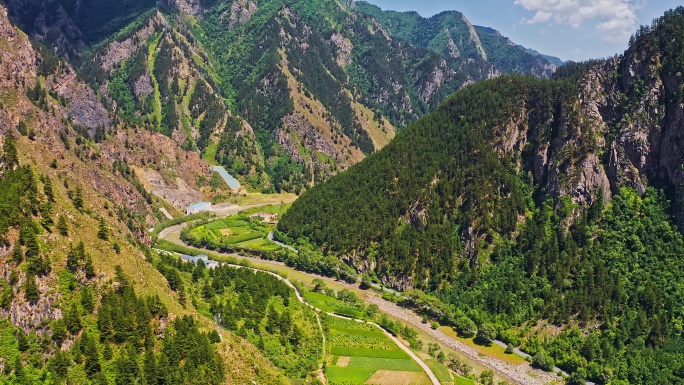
(569, 29)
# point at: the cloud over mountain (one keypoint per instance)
(616, 19)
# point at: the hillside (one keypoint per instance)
(451, 34)
(80, 299)
(283, 93)
(521, 199)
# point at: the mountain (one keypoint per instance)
(450, 34)
(289, 92)
(81, 299)
(522, 199)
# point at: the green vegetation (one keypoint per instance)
(117, 340)
(441, 371)
(256, 306)
(448, 30)
(337, 375)
(232, 233)
(480, 230)
(358, 350)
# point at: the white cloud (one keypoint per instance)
(616, 19)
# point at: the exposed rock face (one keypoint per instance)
(143, 86)
(32, 317)
(164, 169)
(17, 58)
(475, 39)
(118, 51)
(189, 7)
(83, 106)
(343, 47)
(240, 12)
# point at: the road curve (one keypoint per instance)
(301, 299)
(515, 374)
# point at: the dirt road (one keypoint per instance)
(517, 374)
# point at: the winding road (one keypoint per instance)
(517, 374)
(301, 299)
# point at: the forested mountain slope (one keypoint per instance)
(451, 34)
(319, 84)
(80, 300)
(521, 199)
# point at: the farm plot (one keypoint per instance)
(360, 353)
(239, 231)
(334, 305)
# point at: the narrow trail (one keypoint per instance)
(516, 374)
(316, 310)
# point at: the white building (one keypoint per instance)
(198, 208)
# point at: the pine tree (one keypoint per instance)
(62, 226)
(107, 352)
(72, 319)
(88, 267)
(92, 357)
(87, 300)
(9, 151)
(17, 254)
(78, 199)
(22, 341)
(73, 261)
(31, 291)
(150, 374)
(59, 364)
(102, 231)
(59, 331)
(46, 216)
(47, 189)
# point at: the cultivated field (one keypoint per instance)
(240, 230)
(360, 353)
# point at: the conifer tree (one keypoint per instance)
(62, 227)
(59, 364)
(72, 319)
(31, 291)
(47, 189)
(59, 331)
(150, 374)
(73, 261)
(9, 151)
(78, 199)
(17, 254)
(92, 357)
(102, 231)
(88, 267)
(87, 300)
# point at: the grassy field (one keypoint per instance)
(458, 380)
(238, 230)
(333, 305)
(441, 371)
(361, 353)
(337, 375)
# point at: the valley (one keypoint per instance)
(315, 192)
(515, 370)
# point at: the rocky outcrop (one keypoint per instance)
(17, 58)
(82, 105)
(240, 12)
(343, 48)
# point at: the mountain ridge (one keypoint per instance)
(307, 125)
(522, 199)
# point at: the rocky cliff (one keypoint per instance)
(319, 84)
(476, 169)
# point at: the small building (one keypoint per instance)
(208, 263)
(266, 217)
(198, 208)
